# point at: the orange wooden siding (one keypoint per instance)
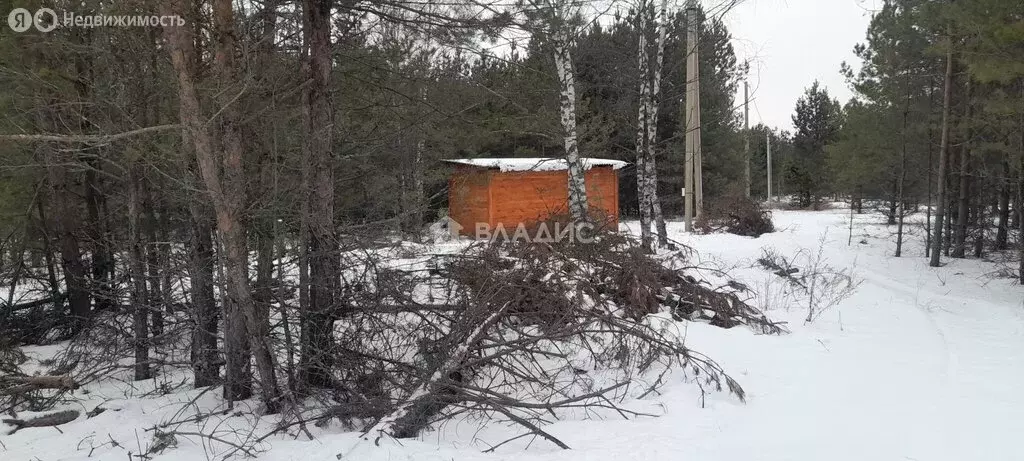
(478, 195)
(468, 197)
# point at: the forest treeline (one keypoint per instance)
(180, 172)
(936, 125)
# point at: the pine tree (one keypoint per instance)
(817, 120)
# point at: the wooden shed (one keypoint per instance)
(507, 192)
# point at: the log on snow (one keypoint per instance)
(53, 419)
(23, 384)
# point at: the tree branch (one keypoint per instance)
(87, 138)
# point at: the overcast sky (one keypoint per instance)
(790, 43)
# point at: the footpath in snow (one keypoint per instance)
(919, 363)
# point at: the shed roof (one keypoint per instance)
(534, 164)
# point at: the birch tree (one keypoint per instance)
(555, 21)
(647, 122)
(652, 125)
(643, 180)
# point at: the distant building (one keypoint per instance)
(509, 192)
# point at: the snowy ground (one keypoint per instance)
(919, 364)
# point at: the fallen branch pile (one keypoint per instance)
(524, 333)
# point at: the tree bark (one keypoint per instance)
(652, 127)
(931, 203)
(137, 263)
(152, 261)
(201, 258)
(205, 356)
(265, 222)
(1020, 193)
(901, 181)
(567, 83)
(963, 200)
(643, 181)
(1003, 223)
(65, 219)
(227, 190)
(316, 362)
(943, 153)
(51, 268)
(96, 226)
(980, 223)
(102, 258)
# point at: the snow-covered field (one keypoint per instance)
(919, 363)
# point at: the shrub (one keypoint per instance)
(736, 214)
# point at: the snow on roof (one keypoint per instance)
(534, 164)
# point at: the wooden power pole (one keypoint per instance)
(693, 199)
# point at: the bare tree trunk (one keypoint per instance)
(228, 193)
(643, 181)
(1020, 218)
(205, 357)
(316, 362)
(139, 307)
(265, 221)
(65, 219)
(102, 258)
(413, 194)
(890, 217)
(51, 267)
(980, 225)
(230, 222)
(931, 203)
(902, 178)
(96, 227)
(164, 247)
(577, 186)
(963, 202)
(943, 153)
(1015, 216)
(1020, 193)
(152, 261)
(1003, 223)
(652, 127)
(201, 258)
(419, 194)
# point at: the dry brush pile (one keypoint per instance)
(525, 333)
(736, 214)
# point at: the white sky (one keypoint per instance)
(790, 43)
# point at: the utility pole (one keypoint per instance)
(768, 143)
(692, 192)
(746, 134)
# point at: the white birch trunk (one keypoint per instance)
(577, 186)
(652, 128)
(643, 180)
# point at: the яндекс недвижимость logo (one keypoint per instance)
(21, 19)
(46, 20)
